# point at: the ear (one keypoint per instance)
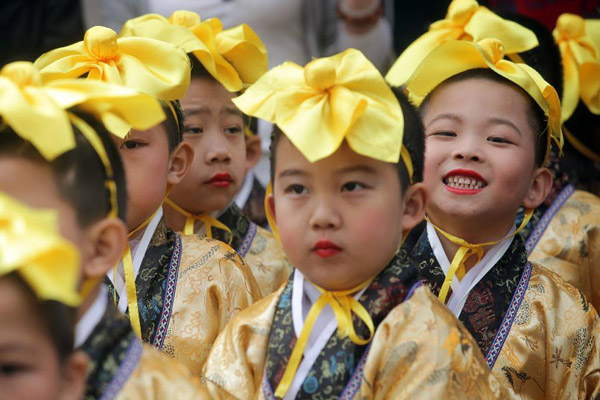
(74, 376)
(414, 206)
(253, 151)
(271, 205)
(105, 244)
(540, 187)
(180, 161)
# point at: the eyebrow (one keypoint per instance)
(356, 168)
(291, 172)
(16, 348)
(205, 110)
(449, 116)
(502, 121)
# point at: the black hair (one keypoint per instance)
(536, 117)
(80, 174)
(57, 319)
(198, 71)
(413, 139)
(173, 124)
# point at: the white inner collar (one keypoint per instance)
(462, 288)
(91, 318)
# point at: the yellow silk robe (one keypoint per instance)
(566, 240)
(257, 246)
(188, 288)
(446, 363)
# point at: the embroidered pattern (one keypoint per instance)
(132, 358)
(247, 241)
(169, 296)
(266, 388)
(509, 317)
(543, 223)
(354, 383)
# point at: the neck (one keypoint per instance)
(87, 302)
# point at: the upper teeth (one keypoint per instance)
(464, 182)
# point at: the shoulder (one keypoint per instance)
(157, 376)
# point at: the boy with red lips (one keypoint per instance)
(353, 320)
(224, 63)
(489, 123)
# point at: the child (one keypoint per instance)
(60, 159)
(38, 288)
(223, 63)
(166, 276)
(563, 237)
(488, 125)
(342, 199)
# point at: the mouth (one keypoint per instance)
(220, 180)
(464, 181)
(326, 249)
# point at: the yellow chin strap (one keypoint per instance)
(208, 220)
(343, 305)
(466, 250)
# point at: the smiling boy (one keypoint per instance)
(352, 321)
(488, 124)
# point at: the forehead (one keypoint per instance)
(206, 92)
(30, 182)
(16, 311)
(478, 99)
(343, 160)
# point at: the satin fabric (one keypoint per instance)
(419, 351)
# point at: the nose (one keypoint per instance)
(325, 216)
(217, 150)
(467, 149)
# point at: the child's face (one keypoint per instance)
(147, 164)
(214, 127)
(479, 157)
(30, 368)
(341, 218)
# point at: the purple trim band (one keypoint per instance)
(247, 241)
(544, 222)
(509, 317)
(131, 361)
(353, 385)
(266, 387)
(169, 296)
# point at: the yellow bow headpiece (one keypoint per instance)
(465, 20)
(579, 43)
(235, 57)
(452, 58)
(31, 246)
(147, 65)
(327, 101)
(38, 113)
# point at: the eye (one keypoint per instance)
(8, 369)
(132, 144)
(296, 189)
(497, 139)
(353, 186)
(443, 134)
(194, 130)
(233, 129)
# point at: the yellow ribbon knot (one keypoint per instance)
(579, 44)
(22, 73)
(493, 49)
(343, 305)
(31, 245)
(101, 43)
(184, 18)
(465, 20)
(208, 220)
(320, 74)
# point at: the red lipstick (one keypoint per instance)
(464, 182)
(325, 249)
(220, 180)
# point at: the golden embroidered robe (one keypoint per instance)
(122, 367)
(257, 246)
(188, 288)
(419, 351)
(566, 240)
(540, 335)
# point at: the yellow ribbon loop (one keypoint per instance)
(31, 245)
(466, 250)
(454, 57)
(343, 305)
(465, 20)
(149, 66)
(579, 46)
(343, 97)
(208, 220)
(235, 57)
